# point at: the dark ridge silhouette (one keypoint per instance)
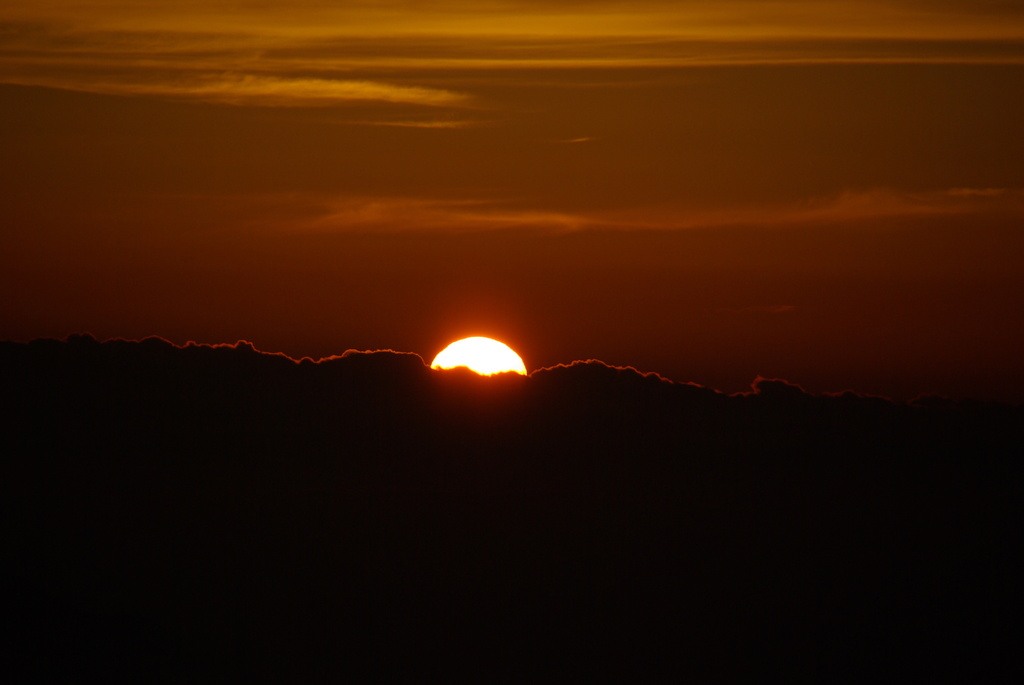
(215, 513)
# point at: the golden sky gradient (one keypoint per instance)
(830, 192)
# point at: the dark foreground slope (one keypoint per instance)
(216, 514)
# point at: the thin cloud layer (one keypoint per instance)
(425, 215)
(247, 89)
(527, 17)
(153, 49)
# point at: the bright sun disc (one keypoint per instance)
(483, 355)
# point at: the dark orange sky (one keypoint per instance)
(829, 192)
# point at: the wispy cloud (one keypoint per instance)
(402, 214)
(979, 192)
(254, 89)
(792, 18)
(882, 202)
(312, 34)
(852, 207)
(396, 214)
(436, 124)
(277, 91)
(312, 53)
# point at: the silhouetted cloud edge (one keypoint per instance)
(583, 371)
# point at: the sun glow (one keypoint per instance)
(482, 355)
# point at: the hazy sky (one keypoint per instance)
(830, 192)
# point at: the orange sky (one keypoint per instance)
(830, 192)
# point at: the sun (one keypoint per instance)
(483, 355)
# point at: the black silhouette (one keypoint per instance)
(213, 514)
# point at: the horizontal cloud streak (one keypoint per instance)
(848, 207)
(680, 17)
(316, 53)
(268, 90)
(249, 89)
(403, 214)
(24, 46)
(420, 214)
